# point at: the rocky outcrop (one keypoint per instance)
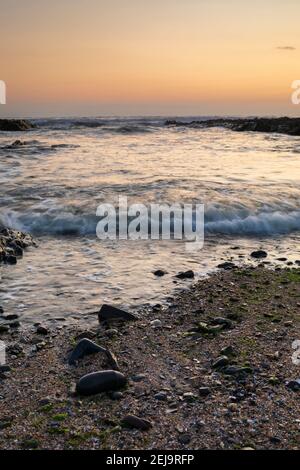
(284, 125)
(12, 244)
(13, 125)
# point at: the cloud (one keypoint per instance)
(286, 48)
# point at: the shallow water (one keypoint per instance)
(51, 186)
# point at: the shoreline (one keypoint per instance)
(169, 357)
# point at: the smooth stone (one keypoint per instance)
(259, 254)
(156, 323)
(101, 381)
(227, 351)
(227, 265)
(159, 273)
(186, 275)
(222, 361)
(107, 312)
(136, 422)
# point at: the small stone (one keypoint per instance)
(228, 351)
(189, 396)
(294, 385)
(159, 273)
(5, 368)
(204, 391)
(156, 323)
(222, 361)
(227, 266)
(259, 254)
(184, 439)
(186, 275)
(42, 330)
(138, 377)
(117, 395)
(136, 422)
(111, 333)
(161, 396)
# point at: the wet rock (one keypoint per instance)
(86, 347)
(136, 422)
(186, 275)
(222, 361)
(15, 125)
(5, 368)
(259, 254)
(227, 265)
(102, 381)
(294, 385)
(109, 313)
(42, 330)
(10, 317)
(159, 273)
(4, 328)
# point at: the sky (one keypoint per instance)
(149, 57)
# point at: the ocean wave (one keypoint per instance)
(235, 223)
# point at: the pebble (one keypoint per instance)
(136, 422)
(161, 396)
(204, 391)
(259, 254)
(222, 361)
(186, 275)
(156, 323)
(101, 381)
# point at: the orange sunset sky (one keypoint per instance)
(135, 57)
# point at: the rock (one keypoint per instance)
(236, 370)
(101, 381)
(227, 265)
(228, 351)
(222, 361)
(15, 125)
(225, 322)
(189, 397)
(186, 275)
(108, 313)
(156, 323)
(159, 273)
(293, 385)
(1, 310)
(86, 347)
(161, 396)
(42, 330)
(204, 391)
(5, 368)
(4, 328)
(12, 316)
(184, 439)
(111, 333)
(259, 254)
(116, 395)
(137, 423)
(138, 377)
